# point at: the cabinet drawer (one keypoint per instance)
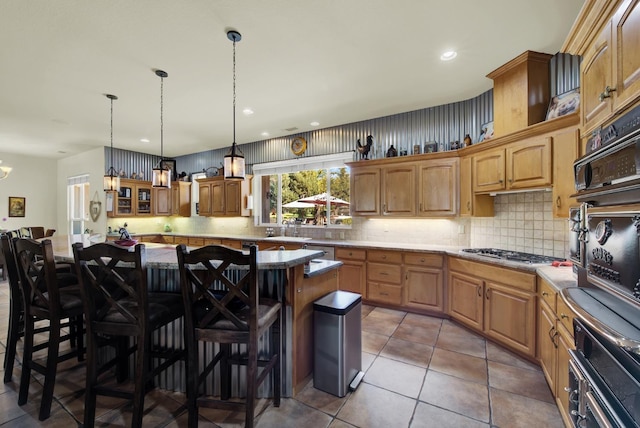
(385, 273)
(384, 293)
(384, 256)
(548, 293)
(422, 259)
(212, 241)
(181, 240)
(565, 315)
(196, 242)
(350, 254)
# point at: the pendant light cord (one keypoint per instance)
(111, 170)
(161, 119)
(234, 90)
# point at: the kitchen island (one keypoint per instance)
(282, 276)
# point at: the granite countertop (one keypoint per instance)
(163, 256)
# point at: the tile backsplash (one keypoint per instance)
(522, 222)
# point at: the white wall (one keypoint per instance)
(31, 178)
(92, 163)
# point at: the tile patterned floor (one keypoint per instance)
(419, 372)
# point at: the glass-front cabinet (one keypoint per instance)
(134, 198)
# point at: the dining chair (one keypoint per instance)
(52, 295)
(49, 232)
(222, 310)
(117, 304)
(36, 232)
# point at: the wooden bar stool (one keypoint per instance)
(221, 310)
(46, 295)
(118, 305)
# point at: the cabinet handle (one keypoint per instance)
(564, 316)
(469, 205)
(384, 273)
(545, 294)
(299, 290)
(606, 93)
(422, 260)
(558, 202)
(384, 208)
(486, 293)
(384, 294)
(479, 291)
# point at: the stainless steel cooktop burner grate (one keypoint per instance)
(515, 256)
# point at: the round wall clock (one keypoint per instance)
(298, 146)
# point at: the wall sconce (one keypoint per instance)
(4, 171)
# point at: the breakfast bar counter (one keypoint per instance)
(282, 276)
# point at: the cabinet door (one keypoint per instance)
(488, 171)
(565, 343)
(124, 201)
(510, 317)
(597, 74)
(438, 188)
(529, 163)
(143, 200)
(424, 288)
(547, 337)
(218, 198)
(181, 199)
(466, 190)
(399, 190)
(162, 201)
(626, 25)
(365, 192)
(352, 276)
(232, 198)
(204, 199)
(465, 299)
(565, 151)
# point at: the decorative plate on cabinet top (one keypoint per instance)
(298, 146)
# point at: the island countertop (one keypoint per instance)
(163, 256)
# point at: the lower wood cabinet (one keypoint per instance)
(555, 339)
(423, 281)
(496, 301)
(352, 275)
(384, 277)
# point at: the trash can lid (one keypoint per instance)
(337, 302)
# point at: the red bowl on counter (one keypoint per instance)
(126, 242)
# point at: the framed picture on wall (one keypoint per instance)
(486, 132)
(171, 164)
(16, 206)
(564, 104)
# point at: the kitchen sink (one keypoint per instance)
(288, 238)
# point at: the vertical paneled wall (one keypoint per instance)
(442, 124)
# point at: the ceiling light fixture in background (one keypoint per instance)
(161, 174)
(111, 181)
(4, 171)
(448, 55)
(234, 159)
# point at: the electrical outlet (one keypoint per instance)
(327, 234)
(461, 228)
(341, 235)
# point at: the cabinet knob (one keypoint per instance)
(606, 93)
(422, 260)
(545, 294)
(299, 290)
(564, 316)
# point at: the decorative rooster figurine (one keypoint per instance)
(364, 150)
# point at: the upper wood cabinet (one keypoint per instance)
(365, 191)
(472, 204)
(162, 201)
(521, 165)
(181, 199)
(223, 198)
(134, 199)
(565, 150)
(611, 67)
(438, 187)
(399, 190)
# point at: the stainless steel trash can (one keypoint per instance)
(337, 342)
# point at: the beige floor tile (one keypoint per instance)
(321, 400)
(379, 324)
(423, 321)
(367, 360)
(458, 395)
(501, 355)
(459, 365)
(459, 339)
(513, 410)
(366, 309)
(293, 414)
(405, 379)
(391, 315)
(373, 407)
(418, 334)
(525, 382)
(417, 354)
(373, 342)
(337, 423)
(428, 416)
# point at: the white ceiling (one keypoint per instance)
(332, 61)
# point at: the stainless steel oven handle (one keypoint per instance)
(598, 413)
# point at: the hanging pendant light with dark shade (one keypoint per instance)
(111, 182)
(234, 159)
(161, 174)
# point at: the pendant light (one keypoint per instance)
(111, 182)
(234, 159)
(161, 174)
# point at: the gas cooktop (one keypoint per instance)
(514, 256)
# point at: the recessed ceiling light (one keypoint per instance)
(144, 140)
(265, 134)
(247, 111)
(448, 55)
(314, 123)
